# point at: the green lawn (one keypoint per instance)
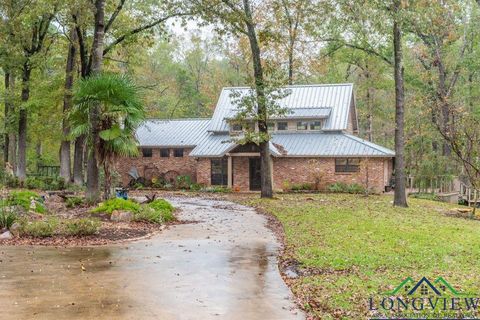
(361, 246)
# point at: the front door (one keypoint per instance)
(254, 165)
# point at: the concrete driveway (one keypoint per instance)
(221, 266)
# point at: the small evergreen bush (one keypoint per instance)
(82, 227)
(117, 204)
(41, 228)
(73, 202)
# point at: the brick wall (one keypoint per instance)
(241, 173)
(203, 171)
(155, 165)
(293, 170)
(305, 170)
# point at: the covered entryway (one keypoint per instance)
(254, 174)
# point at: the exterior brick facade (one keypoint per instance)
(310, 170)
(156, 165)
(374, 173)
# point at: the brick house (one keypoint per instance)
(315, 143)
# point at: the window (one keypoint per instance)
(347, 165)
(219, 172)
(147, 152)
(271, 126)
(164, 153)
(302, 125)
(178, 153)
(315, 125)
(282, 125)
(237, 127)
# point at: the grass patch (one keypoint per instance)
(158, 211)
(117, 204)
(362, 246)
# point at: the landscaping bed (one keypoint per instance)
(341, 249)
(35, 218)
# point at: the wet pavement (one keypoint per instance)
(223, 266)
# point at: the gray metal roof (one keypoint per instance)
(300, 145)
(181, 132)
(328, 144)
(297, 113)
(338, 97)
(217, 145)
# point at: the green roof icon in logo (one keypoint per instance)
(439, 287)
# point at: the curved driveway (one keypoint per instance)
(222, 266)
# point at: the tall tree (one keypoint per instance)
(91, 61)
(120, 113)
(238, 17)
(34, 40)
(65, 159)
(400, 197)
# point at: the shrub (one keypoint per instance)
(302, 186)
(23, 198)
(45, 183)
(355, 188)
(12, 181)
(196, 186)
(183, 182)
(148, 214)
(117, 204)
(340, 187)
(82, 227)
(286, 185)
(158, 211)
(41, 228)
(34, 183)
(337, 187)
(7, 218)
(73, 202)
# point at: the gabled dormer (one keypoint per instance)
(312, 108)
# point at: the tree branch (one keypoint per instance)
(114, 15)
(140, 29)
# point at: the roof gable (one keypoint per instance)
(336, 98)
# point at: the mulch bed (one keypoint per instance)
(109, 233)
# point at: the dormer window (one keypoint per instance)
(237, 127)
(316, 125)
(283, 125)
(302, 125)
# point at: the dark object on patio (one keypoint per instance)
(150, 198)
(121, 193)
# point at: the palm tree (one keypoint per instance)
(121, 112)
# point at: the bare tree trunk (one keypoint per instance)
(22, 126)
(265, 169)
(108, 181)
(6, 123)
(65, 158)
(12, 136)
(38, 150)
(400, 197)
(369, 106)
(92, 193)
(78, 161)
